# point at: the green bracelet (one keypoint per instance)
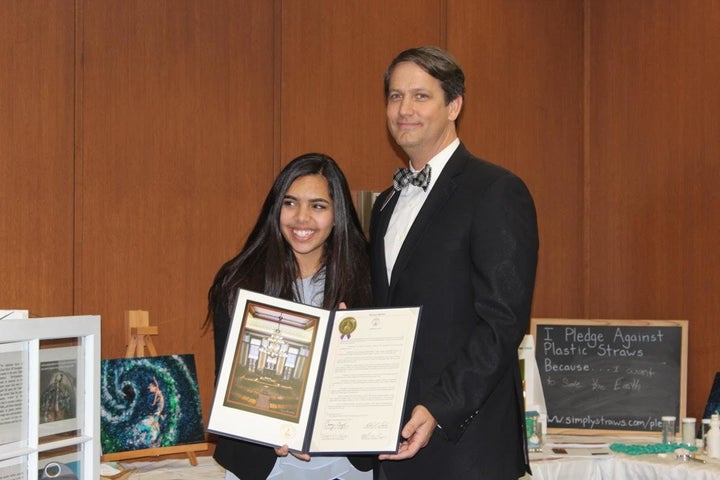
(634, 449)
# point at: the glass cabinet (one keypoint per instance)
(49, 398)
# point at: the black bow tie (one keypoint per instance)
(404, 177)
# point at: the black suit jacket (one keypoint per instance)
(469, 259)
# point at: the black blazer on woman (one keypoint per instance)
(469, 259)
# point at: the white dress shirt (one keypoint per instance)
(409, 204)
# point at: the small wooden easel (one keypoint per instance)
(139, 336)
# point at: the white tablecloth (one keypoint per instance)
(175, 469)
(208, 469)
(619, 466)
(545, 466)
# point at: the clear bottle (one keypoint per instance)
(713, 437)
(688, 431)
(668, 429)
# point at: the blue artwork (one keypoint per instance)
(713, 403)
(149, 402)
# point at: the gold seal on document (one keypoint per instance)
(347, 326)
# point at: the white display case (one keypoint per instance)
(50, 397)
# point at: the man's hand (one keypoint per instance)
(416, 432)
(284, 450)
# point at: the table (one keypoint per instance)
(545, 465)
(208, 469)
(175, 469)
(617, 466)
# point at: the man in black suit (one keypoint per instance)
(464, 246)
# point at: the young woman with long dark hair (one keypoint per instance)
(307, 246)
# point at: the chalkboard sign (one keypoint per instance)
(611, 376)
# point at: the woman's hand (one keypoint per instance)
(284, 450)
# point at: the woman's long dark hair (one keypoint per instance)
(267, 264)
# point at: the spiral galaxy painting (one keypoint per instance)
(149, 402)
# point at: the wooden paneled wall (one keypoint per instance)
(653, 170)
(37, 74)
(138, 140)
(334, 56)
(177, 155)
(524, 67)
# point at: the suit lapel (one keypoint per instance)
(438, 197)
(386, 206)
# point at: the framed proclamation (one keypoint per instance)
(316, 380)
